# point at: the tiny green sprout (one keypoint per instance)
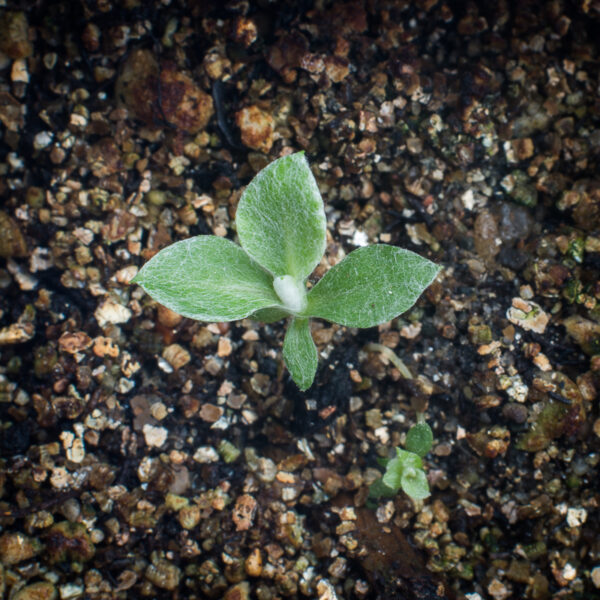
(281, 227)
(405, 470)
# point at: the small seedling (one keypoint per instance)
(282, 231)
(405, 470)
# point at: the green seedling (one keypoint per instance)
(405, 470)
(281, 226)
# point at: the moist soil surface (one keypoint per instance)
(144, 455)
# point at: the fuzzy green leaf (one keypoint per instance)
(414, 483)
(300, 353)
(207, 278)
(281, 220)
(393, 473)
(419, 439)
(370, 286)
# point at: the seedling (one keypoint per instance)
(282, 231)
(405, 470)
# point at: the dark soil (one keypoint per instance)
(146, 455)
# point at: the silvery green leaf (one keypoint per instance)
(393, 474)
(207, 278)
(414, 483)
(409, 459)
(280, 218)
(419, 439)
(300, 353)
(371, 286)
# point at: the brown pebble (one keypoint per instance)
(211, 413)
(224, 347)
(167, 317)
(155, 94)
(254, 563)
(41, 590)
(12, 242)
(256, 128)
(17, 547)
(176, 356)
(244, 511)
(14, 35)
(240, 591)
(74, 342)
(104, 346)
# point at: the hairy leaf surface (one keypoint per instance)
(207, 278)
(371, 286)
(281, 220)
(300, 353)
(419, 439)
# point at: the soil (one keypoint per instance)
(144, 455)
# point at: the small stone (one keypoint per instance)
(596, 576)
(104, 346)
(206, 454)
(528, 315)
(14, 35)
(254, 563)
(163, 574)
(155, 94)
(240, 591)
(74, 342)
(414, 145)
(189, 516)
(158, 410)
(576, 516)
(224, 347)
(228, 451)
(257, 127)
(69, 541)
(42, 590)
(167, 317)
(71, 590)
(326, 590)
(17, 547)
(244, 511)
(498, 590)
(154, 436)
(176, 356)
(16, 333)
(211, 413)
(111, 311)
(12, 242)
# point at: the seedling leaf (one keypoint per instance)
(419, 439)
(281, 220)
(414, 483)
(393, 473)
(300, 353)
(370, 286)
(207, 278)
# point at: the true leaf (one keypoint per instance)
(281, 220)
(300, 353)
(419, 439)
(414, 483)
(370, 286)
(393, 473)
(207, 278)
(409, 459)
